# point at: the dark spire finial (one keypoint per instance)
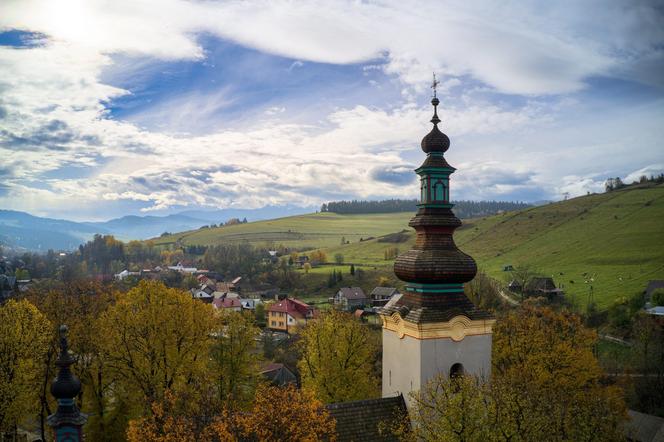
(67, 420)
(435, 101)
(435, 141)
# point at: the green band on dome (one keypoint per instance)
(434, 288)
(443, 205)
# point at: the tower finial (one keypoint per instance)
(67, 421)
(434, 85)
(435, 101)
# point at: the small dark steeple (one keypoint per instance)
(68, 421)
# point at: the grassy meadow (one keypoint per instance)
(309, 231)
(612, 242)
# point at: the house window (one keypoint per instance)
(274, 323)
(281, 323)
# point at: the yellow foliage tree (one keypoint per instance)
(163, 425)
(234, 359)
(338, 357)
(277, 414)
(79, 304)
(546, 379)
(287, 414)
(456, 409)
(156, 339)
(546, 385)
(318, 257)
(25, 334)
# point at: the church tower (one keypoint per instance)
(433, 327)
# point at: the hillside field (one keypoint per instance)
(612, 242)
(302, 232)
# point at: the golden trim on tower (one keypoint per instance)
(455, 329)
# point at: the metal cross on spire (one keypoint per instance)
(434, 84)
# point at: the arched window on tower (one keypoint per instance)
(456, 370)
(439, 191)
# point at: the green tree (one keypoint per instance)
(339, 258)
(657, 297)
(234, 361)
(156, 339)
(338, 357)
(456, 409)
(545, 371)
(352, 269)
(25, 334)
(259, 314)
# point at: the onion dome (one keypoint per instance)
(435, 259)
(435, 141)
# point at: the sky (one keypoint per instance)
(111, 108)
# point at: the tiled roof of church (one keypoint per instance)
(367, 420)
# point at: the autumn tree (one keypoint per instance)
(546, 385)
(79, 304)
(24, 338)
(278, 414)
(484, 292)
(338, 357)
(163, 424)
(234, 361)
(522, 275)
(548, 379)
(156, 339)
(449, 409)
(318, 257)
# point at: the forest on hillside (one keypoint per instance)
(462, 208)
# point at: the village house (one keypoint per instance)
(288, 314)
(350, 298)
(543, 286)
(225, 303)
(302, 260)
(537, 286)
(125, 274)
(182, 269)
(250, 303)
(381, 295)
(278, 374)
(202, 296)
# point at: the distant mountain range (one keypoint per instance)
(22, 231)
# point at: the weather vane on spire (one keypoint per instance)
(434, 84)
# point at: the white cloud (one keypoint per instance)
(55, 101)
(517, 47)
(648, 171)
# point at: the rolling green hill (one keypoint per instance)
(303, 232)
(613, 242)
